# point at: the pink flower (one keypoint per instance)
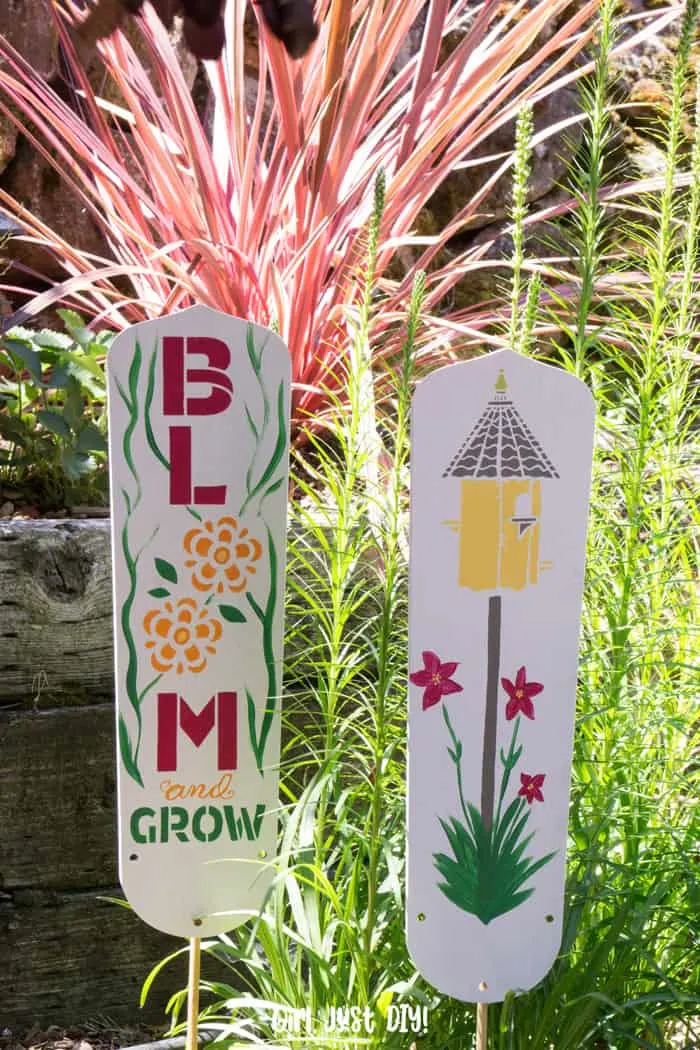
(435, 679)
(521, 695)
(531, 787)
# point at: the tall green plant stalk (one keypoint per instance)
(655, 366)
(590, 217)
(521, 177)
(391, 599)
(523, 316)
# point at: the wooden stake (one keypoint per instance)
(482, 1016)
(193, 995)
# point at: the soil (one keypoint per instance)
(89, 1036)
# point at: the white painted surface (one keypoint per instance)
(186, 886)
(454, 949)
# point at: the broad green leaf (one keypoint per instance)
(12, 429)
(74, 405)
(76, 326)
(53, 340)
(58, 377)
(159, 592)
(26, 354)
(90, 439)
(232, 614)
(76, 464)
(54, 422)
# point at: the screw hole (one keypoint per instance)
(196, 922)
(483, 986)
(549, 918)
(133, 856)
(421, 916)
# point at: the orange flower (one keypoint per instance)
(181, 635)
(224, 555)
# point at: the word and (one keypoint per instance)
(204, 824)
(173, 792)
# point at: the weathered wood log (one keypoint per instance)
(56, 644)
(57, 799)
(65, 956)
(68, 958)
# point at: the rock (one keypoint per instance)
(8, 141)
(40, 188)
(31, 32)
(492, 281)
(35, 40)
(549, 166)
(26, 175)
(646, 158)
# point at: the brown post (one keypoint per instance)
(488, 768)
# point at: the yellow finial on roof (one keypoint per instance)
(501, 384)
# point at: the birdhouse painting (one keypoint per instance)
(500, 478)
(499, 466)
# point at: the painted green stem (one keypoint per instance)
(456, 756)
(278, 452)
(267, 620)
(509, 762)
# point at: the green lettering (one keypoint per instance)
(197, 818)
(175, 819)
(135, 825)
(253, 830)
(229, 816)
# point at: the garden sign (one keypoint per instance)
(199, 431)
(501, 464)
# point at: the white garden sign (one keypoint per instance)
(500, 477)
(199, 430)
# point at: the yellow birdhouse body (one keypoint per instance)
(499, 543)
(500, 466)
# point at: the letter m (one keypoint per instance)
(175, 715)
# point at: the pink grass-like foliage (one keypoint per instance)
(266, 218)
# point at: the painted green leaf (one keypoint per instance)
(232, 614)
(127, 753)
(159, 592)
(166, 570)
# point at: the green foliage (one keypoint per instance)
(331, 932)
(53, 412)
(488, 872)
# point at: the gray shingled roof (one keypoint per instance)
(501, 445)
